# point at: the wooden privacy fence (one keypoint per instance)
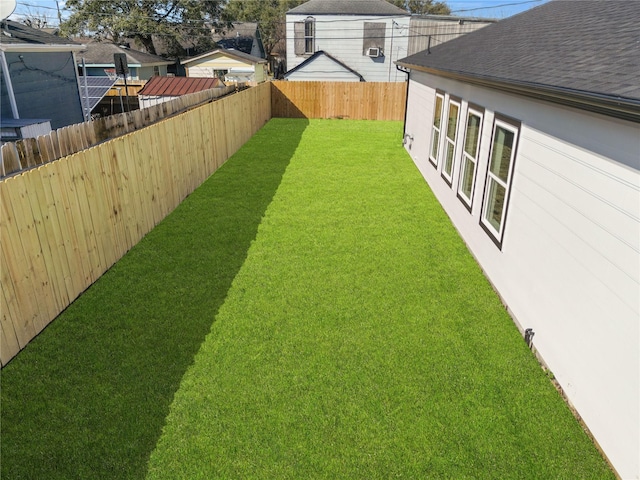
(65, 141)
(63, 224)
(353, 100)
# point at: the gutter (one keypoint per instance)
(618, 107)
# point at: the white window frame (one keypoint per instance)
(450, 144)
(468, 158)
(309, 36)
(436, 130)
(492, 179)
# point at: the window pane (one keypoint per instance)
(453, 121)
(501, 153)
(448, 162)
(495, 204)
(471, 137)
(468, 172)
(438, 114)
(434, 144)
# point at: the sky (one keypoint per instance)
(466, 8)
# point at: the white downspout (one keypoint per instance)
(7, 79)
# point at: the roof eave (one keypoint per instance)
(35, 48)
(372, 15)
(619, 107)
(226, 52)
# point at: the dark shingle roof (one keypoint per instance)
(22, 34)
(347, 7)
(320, 53)
(101, 53)
(586, 46)
(230, 52)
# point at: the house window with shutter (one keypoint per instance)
(373, 39)
(305, 37)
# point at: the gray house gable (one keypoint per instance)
(38, 76)
(582, 52)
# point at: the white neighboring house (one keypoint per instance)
(528, 132)
(231, 65)
(366, 36)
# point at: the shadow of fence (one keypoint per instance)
(108, 367)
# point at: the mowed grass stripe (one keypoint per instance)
(361, 340)
(87, 399)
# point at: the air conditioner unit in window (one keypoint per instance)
(374, 52)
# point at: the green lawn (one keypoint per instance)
(309, 312)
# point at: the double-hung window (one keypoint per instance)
(470, 150)
(451, 135)
(435, 129)
(304, 38)
(309, 35)
(499, 175)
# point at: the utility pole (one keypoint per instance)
(59, 14)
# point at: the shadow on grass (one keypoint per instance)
(88, 397)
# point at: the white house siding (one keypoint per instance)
(146, 72)
(325, 68)
(147, 101)
(569, 267)
(207, 66)
(341, 36)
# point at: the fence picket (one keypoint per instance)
(10, 159)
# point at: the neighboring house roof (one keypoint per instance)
(237, 54)
(320, 53)
(241, 36)
(14, 35)
(176, 86)
(584, 51)
(101, 54)
(242, 44)
(347, 7)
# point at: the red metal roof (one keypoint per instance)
(176, 86)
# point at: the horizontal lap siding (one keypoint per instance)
(569, 266)
(341, 36)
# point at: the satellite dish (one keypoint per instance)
(6, 8)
